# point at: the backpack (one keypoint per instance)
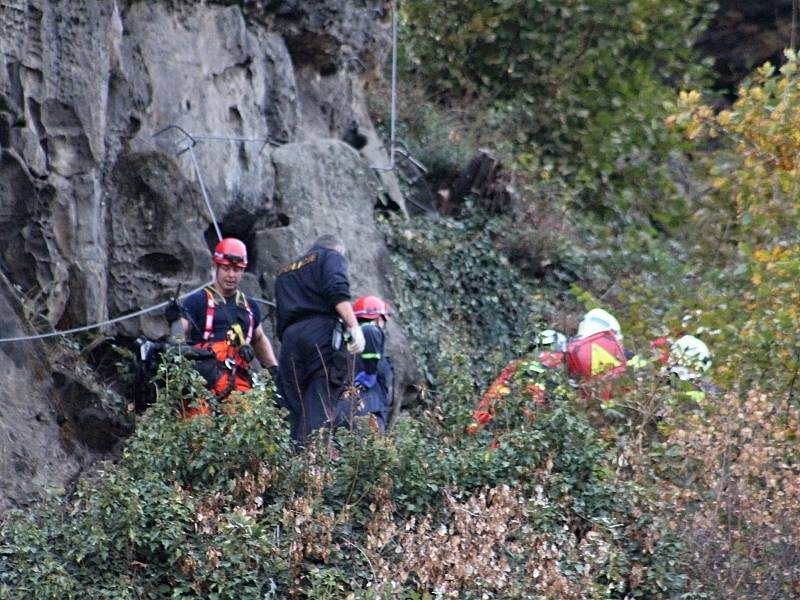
(148, 357)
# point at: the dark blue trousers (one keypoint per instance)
(376, 401)
(311, 374)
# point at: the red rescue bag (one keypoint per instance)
(597, 356)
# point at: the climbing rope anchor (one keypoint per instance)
(193, 140)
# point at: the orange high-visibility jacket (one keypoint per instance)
(500, 387)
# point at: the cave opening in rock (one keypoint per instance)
(161, 263)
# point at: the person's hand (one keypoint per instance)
(246, 353)
(356, 343)
(273, 372)
(173, 311)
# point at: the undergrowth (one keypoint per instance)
(224, 507)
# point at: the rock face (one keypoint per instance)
(111, 115)
(34, 453)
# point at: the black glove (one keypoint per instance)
(273, 372)
(246, 353)
(173, 311)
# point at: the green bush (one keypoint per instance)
(443, 140)
(578, 88)
(224, 508)
(453, 286)
(150, 526)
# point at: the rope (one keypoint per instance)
(193, 140)
(192, 143)
(393, 107)
(222, 138)
(393, 114)
(138, 313)
(205, 194)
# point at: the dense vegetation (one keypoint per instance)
(649, 494)
(222, 508)
(573, 90)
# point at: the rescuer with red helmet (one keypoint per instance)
(222, 319)
(374, 372)
(371, 309)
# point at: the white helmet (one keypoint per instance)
(597, 320)
(689, 358)
(556, 340)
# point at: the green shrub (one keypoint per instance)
(577, 89)
(442, 139)
(453, 286)
(155, 524)
(223, 508)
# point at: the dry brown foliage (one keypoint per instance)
(735, 498)
(483, 544)
(311, 523)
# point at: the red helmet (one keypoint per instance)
(370, 307)
(230, 251)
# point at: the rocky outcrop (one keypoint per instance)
(111, 115)
(53, 419)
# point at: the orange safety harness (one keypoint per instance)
(231, 371)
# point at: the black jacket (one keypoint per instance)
(312, 285)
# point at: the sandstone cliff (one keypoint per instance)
(100, 217)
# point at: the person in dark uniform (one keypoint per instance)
(220, 318)
(312, 297)
(374, 372)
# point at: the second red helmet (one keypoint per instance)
(230, 251)
(370, 307)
